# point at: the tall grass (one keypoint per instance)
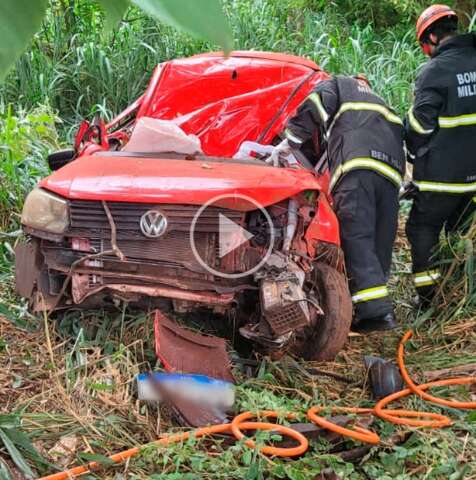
(25, 140)
(83, 70)
(78, 68)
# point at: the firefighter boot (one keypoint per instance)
(375, 324)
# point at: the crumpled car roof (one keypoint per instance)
(227, 100)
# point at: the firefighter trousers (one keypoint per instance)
(366, 205)
(431, 212)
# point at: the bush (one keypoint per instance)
(25, 141)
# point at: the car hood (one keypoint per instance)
(195, 182)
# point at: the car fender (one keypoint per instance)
(324, 227)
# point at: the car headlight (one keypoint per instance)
(45, 211)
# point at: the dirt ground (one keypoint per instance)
(67, 396)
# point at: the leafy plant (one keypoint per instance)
(21, 19)
(25, 140)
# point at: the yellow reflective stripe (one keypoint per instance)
(389, 115)
(424, 273)
(446, 187)
(424, 279)
(458, 121)
(316, 99)
(366, 163)
(416, 125)
(374, 107)
(290, 135)
(370, 294)
(425, 284)
(474, 199)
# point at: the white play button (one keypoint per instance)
(231, 235)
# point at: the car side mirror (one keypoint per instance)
(59, 159)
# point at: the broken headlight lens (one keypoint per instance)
(45, 211)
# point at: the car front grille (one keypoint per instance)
(88, 220)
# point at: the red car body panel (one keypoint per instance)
(146, 180)
(225, 101)
(275, 56)
(324, 227)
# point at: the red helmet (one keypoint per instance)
(430, 16)
(361, 77)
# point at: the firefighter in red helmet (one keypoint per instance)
(440, 131)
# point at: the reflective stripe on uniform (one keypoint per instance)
(366, 106)
(290, 136)
(458, 121)
(367, 163)
(426, 278)
(474, 199)
(370, 294)
(446, 187)
(316, 99)
(416, 125)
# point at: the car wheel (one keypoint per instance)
(328, 333)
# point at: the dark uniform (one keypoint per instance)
(441, 135)
(366, 161)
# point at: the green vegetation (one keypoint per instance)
(25, 141)
(66, 387)
(21, 19)
(79, 68)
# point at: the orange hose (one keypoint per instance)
(201, 432)
(401, 417)
(358, 433)
(238, 424)
(418, 389)
(126, 454)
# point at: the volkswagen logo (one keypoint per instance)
(153, 223)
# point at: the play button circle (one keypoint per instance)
(231, 235)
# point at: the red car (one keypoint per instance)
(256, 243)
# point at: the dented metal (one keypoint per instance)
(182, 350)
(28, 267)
(79, 294)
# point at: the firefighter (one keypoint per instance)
(440, 131)
(366, 160)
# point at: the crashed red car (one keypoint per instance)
(111, 224)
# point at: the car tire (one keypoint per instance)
(328, 333)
